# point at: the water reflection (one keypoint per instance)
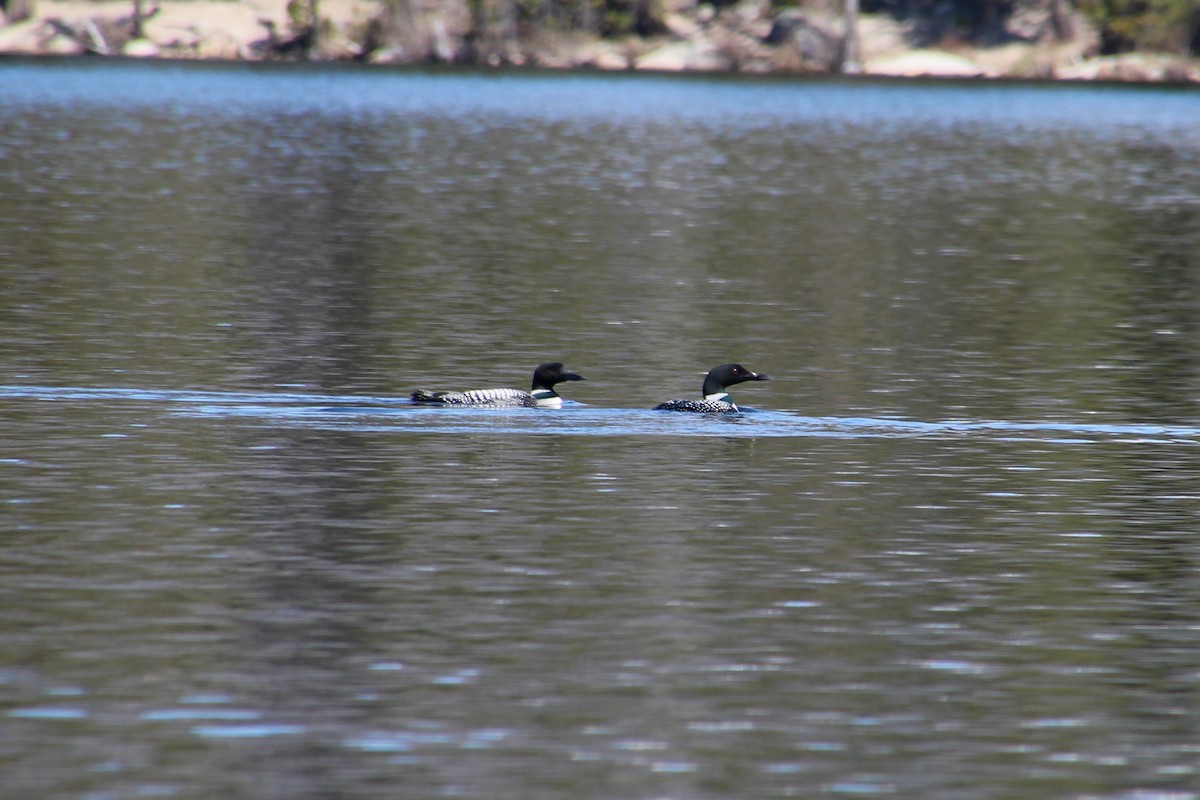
(948, 556)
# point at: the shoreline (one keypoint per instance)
(733, 44)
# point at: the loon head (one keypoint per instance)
(547, 375)
(725, 375)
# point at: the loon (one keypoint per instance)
(540, 395)
(716, 399)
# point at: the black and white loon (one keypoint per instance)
(540, 395)
(716, 399)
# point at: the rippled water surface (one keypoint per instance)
(950, 552)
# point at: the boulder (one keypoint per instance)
(140, 48)
(1132, 67)
(815, 41)
(700, 55)
(932, 63)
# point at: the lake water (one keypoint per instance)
(952, 553)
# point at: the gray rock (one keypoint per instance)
(816, 41)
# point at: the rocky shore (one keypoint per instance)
(750, 37)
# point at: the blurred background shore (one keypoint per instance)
(1051, 39)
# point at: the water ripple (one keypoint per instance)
(394, 414)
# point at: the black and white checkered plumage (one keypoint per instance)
(477, 397)
(541, 394)
(716, 399)
(705, 406)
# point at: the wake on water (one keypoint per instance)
(384, 414)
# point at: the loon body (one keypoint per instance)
(540, 395)
(716, 399)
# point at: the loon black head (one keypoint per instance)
(726, 375)
(547, 375)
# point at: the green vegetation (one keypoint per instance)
(1171, 26)
(1124, 25)
(605, 17)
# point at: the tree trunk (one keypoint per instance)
(477, 31)
(314, 30)
(849, 62)
(135, 29)
(1060, 20)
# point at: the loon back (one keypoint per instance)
(477, 397)
(541, 394)
(699, 406)
(716, 399)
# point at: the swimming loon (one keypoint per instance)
(716, 399)
(541, 394)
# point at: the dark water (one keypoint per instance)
(952, 554)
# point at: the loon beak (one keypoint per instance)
(571, 376)
(758, 376)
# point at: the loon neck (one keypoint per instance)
(720, 397)
(546, 397)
